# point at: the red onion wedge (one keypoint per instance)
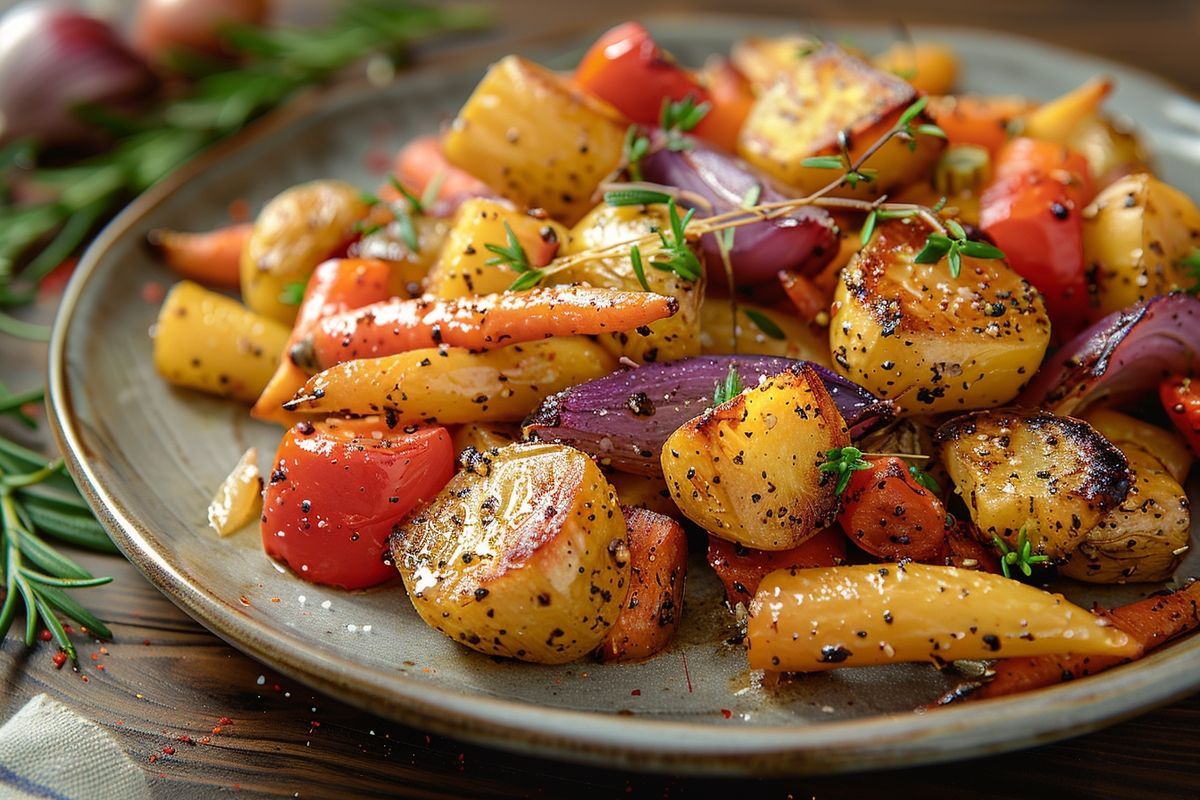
(804, 240)
(1126, 353)
(623, 419)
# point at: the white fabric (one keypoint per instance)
(49, 752)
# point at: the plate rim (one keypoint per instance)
(642, 743)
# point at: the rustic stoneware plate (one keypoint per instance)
(149, 458)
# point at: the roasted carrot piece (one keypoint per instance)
(653, 608)
(212, 258)
(889, 515)
(335, 285)
(486, 322)
(809, 299)
(1150, 623)
(421, 162)
(742, 568)
(963, 550)
(981, 121)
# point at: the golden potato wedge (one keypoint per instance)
(653, 609)
(645, 491)
(452, 385)
(485, 436)
(524, 554)
(717, 333)
(530, 135)
(815, 98)
(409, 269)
(1112, 149)
(1135, 233)
(761, 59)
(207, 341)
(239, 497)
(912, 333)
(301, 227)
(1126, 432)
(749, 469)
(1056, 477)
(818, 619)
(669, 339)
(1145, 537)
(462, 268)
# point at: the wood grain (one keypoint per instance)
(164, 677)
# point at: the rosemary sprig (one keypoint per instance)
(1021, 557)
(37, 498)
(277, 64)
(844, 462)
(633, 150)
(764, 323)
(635, 197)
(676, 256)
(515, 258)
(729, 387)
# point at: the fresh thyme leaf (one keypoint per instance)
(675, 255)
(925, 480)
(931, 130)
(844, 462)
(680, 116)
(936, 247)
(764, 323)
(415, 204)
(956, 229)
(980, 250)
(955, 261)
(528, 280)
(1021, 557)
(635, 148)
(824, 162)
(1191, 268)
(911, 112)
(369, 198)
(635, 197)
(868, 228)
(635, 259)
(513, 256)
(293, 293)
(728, 388)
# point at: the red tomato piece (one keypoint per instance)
(1181, 398)
(337, 489)
(1033, 212)
(629, 71)
(889, 515)
(741, 569)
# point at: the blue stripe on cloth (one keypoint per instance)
(29, 787)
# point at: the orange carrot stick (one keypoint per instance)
(335, 285)
(212, 258)
(421, 162)
(486, 322)
(1150, 622)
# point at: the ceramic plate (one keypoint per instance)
(149, 458)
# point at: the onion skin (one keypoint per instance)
(623, 419)
(1126, 353)
(54, 59)
(804, 240)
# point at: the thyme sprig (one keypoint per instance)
(954, 247)
(676, 255)
(1021, 556)
(844, 462)
(678, 117)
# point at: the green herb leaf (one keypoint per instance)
(1021, 557)
(868, 228)
(634, 150)
(980, 250)
(911, 112)
(293, 293)
(764, 323)
(1191, 268)
(956, 230)
(513, 256)
(728, 388)
(925, 480)
(844, 462)
(931, 130)
(415, 205)
(824, 162)
(936, 247)
(635, 197)
(676, 256)
(528, 280)
(679, 116)
(635, 258)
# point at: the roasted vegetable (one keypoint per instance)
(653, 608)
(930, 68)
(1135, 234)
(452, 385)
(485, 436)
(1057, 119)
(206, 341)
(891, 516)
(1150, 623)
(762, 58)
(422, 162)
(462, 267)
(338, 489)
(1181, 398)
(756, 336)
(528, 134)
(239, 497)
(1125, 354)
(713, 182)
(390, 242)
(1125, 432)
(667, 339)
(1145, 537)
(933, 343)
(624, 418)
(811, 102)
(986, 122)
(1052, 477)
(524, 554)
(301, 227)
(487, 322)
(748, 470)
(645, 491)
(213, 258)
(741, 569)
(820, 619)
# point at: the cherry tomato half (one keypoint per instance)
(1181, 398)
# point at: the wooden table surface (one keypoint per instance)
(164, 678)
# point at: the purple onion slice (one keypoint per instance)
(623, 419)
(1127, 353)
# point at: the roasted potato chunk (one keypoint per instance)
(1055, 477)
(1145, 537)
(524, 554)
(646, 491)
(749, 469)
(669, 339)
(1126, 432)
(654, 606)
(798, 340)
(761, 59)
(933, 343)
(301, 227)
(1135, 233)
(530, 135)
(815, 98)
(462, 267)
